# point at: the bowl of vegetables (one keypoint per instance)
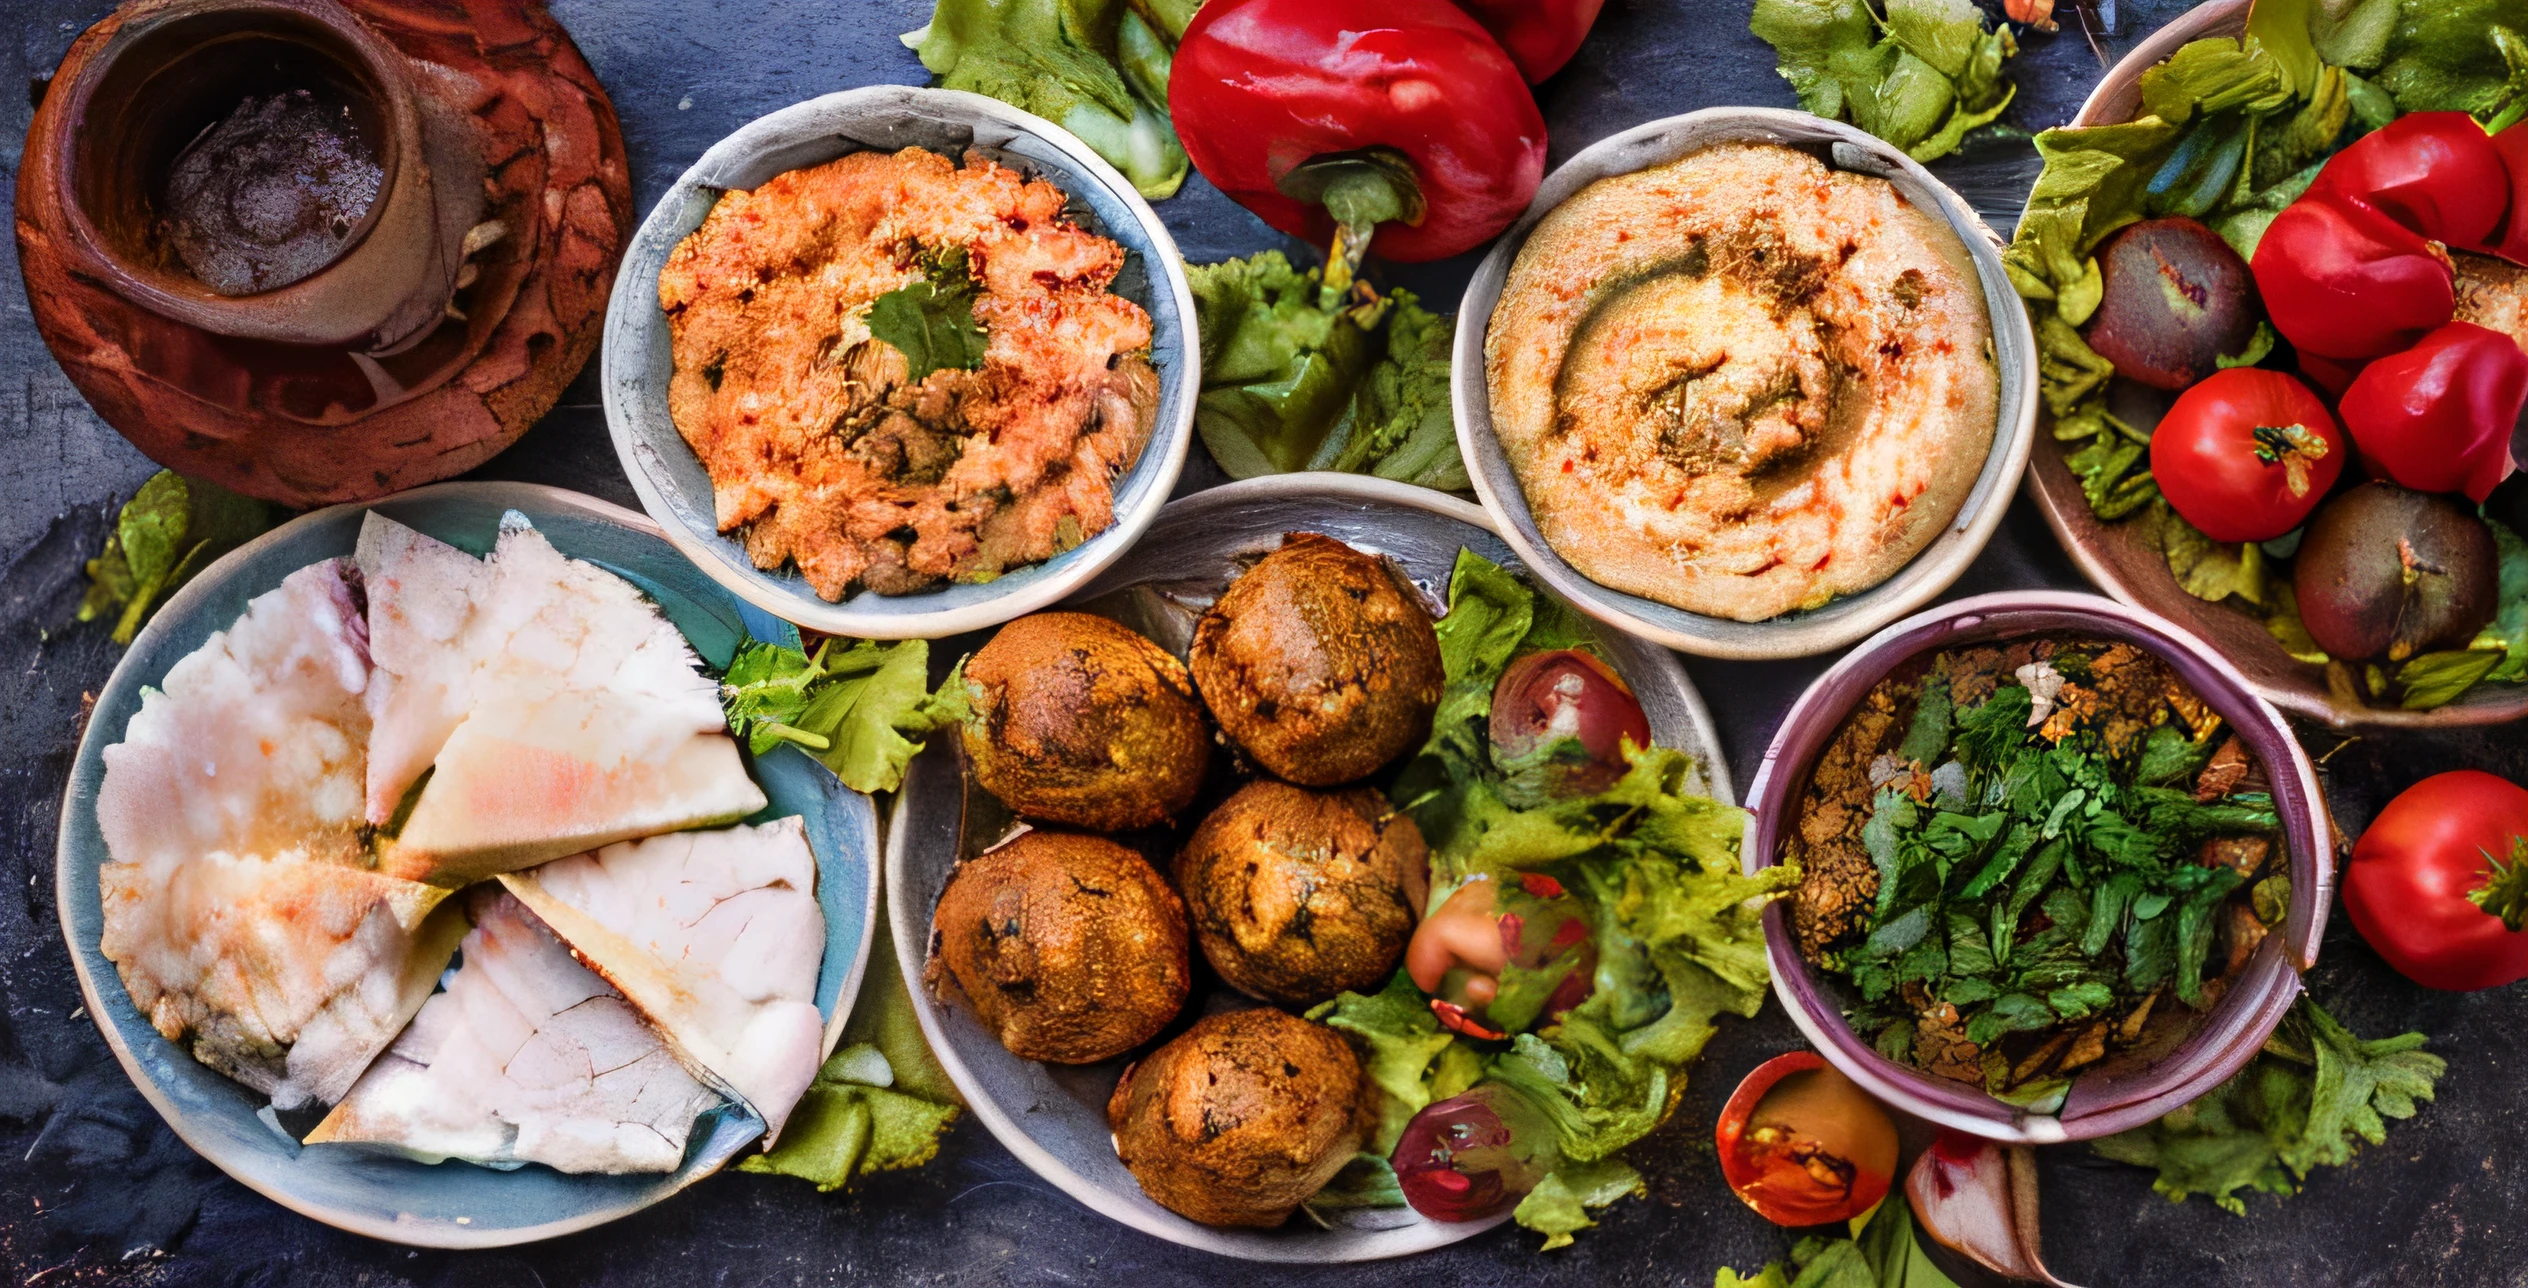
(2301, 450)
(2060, 866)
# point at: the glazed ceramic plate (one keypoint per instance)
(2115, 556)
(1844, 620)
(670, 479)
(451, 1205)
(2111, 1098)
(1054, 1117)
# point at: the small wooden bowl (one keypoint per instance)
(2133, 570)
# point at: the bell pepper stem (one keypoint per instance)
(2504, 893)
(1360, 190)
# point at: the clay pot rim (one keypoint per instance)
(181, 297)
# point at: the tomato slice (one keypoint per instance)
(2246, 454)
(1804, 1145)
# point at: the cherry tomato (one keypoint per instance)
(1560, 721)
(2439, 416)
(1804, 1145)
(2434, 172)
(2416, 874)
(2246, 454)
(1458, 953)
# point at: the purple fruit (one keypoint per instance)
(2177, 300)
(2388, 573)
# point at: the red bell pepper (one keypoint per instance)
(1541, 35)
(2436, 884)
(1332, 119)
(2342, 280)
(2434, 172)
(2439, 416)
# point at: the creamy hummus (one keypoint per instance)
(1742, 383)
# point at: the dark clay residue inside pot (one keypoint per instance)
(270, 193)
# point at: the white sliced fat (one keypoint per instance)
(289, 974)
(526, 1057)
(424, 596)
(588, 722)
(716, 935)
(238, 907)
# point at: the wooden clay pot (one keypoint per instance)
(447, 319)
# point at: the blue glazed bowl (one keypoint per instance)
(671, 481)
(450, 1205)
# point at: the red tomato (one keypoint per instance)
(2246, 454)
(2412, 874)
(1804, 1145)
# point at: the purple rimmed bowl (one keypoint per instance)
(2107, 1101)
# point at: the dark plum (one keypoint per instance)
(2177, 300)
(1474, 1155)
(2387, 573)
(1559, 723)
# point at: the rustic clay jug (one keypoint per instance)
(171, 72)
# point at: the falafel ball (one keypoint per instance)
(1070, 948)
(1240, 1118)
(1317, 664)
(1298, 895)
(1076, 719)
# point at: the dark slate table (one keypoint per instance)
(95, 1190)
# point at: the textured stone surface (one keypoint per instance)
(95, 1190)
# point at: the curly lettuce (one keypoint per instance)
(1097, 68)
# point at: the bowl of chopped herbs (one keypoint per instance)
(2061, 866)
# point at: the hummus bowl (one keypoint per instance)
(1975, 484)
(2122, 1094)
(639, 364)
(1054, 1117)
(371, 1192)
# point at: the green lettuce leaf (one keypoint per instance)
(1368, 1181)
(2508, 631)
(1882, 1254)
(1066, 61)
(1400, 1042)
(855, 705)
(2305, 1102)
(1293, 381)
(171, 529)
(1559, 1205)
(2432, 680)
(2455, 56)
(1922, 79)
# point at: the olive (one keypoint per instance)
(2387, 573)
(2177, 300)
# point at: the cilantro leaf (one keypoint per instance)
(171, 529)
(931, 322)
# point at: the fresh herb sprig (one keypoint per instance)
(855, 705)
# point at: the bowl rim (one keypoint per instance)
(911, 928)
(2225, 1040)
(1923, 578)
(2226, 18)
(206, 1145)
(633, 308)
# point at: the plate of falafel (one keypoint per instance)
(1178, 831)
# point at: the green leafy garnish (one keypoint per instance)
(1292, 381)
(2308, 1098)
(855, 705)
(1922, 77)
(1882, 1254)
(172, 528)
(1558, 1207)
(2508, 631)
(931, 322)
(2432, 680)
(880, 1102)
(1402, 1043)
(1097, 68)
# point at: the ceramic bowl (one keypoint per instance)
(1053, 1117)
(2100, 1103)
(2132, 569)
(451, 1205)
(1844, 620)
(670, 479)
